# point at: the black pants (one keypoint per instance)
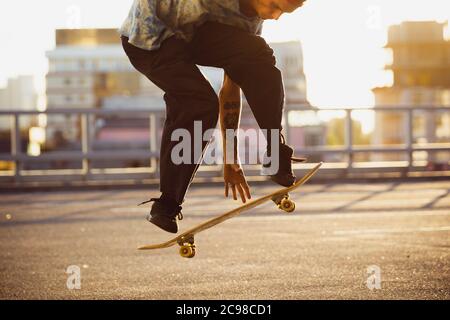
(189, 97)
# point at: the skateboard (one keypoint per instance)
(281, 198)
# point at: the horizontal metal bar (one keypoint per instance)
(251, 171)
(135, 154)
(290, 107)
(76, 155)
(79, 111)
(301, 107)
(385, 149)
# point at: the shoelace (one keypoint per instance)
(148, 201)
(179, 215)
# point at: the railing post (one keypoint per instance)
(409, 137)
(349, 137)
(153, 139)
(430, 132)
(86, 143)
(16, 145)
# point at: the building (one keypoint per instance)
(86, 67)
(18, 95)
(289, 57)
(421, 73)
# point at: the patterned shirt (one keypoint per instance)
(150, 22)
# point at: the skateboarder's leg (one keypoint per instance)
(189, 97)
(249, 62)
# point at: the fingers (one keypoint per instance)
(247, 190)
(241, 193)
(235, 179)
(242, 188)
(233, 188)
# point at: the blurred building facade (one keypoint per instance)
(86, 67)
(421, 74)
(19, 95)
(289, 57)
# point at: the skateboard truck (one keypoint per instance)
(187, 246)
(187, 242)
(284, 202)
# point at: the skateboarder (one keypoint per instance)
(165, 40)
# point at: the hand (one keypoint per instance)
(235, 179)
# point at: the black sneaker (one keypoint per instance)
(164, 215)
(284, 176)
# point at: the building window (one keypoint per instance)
(417, 97)
(291, 67)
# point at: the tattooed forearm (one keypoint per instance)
(230, 117)
(230, 114)
(232, 106)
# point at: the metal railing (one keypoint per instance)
(408, 147)
(86, 155)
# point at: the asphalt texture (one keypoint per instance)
(345, 241)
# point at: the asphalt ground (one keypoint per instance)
(345, 241)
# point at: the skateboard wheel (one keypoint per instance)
(287, 205)
(187, 251)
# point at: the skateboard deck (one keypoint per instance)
(280, 197)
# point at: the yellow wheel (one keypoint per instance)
(193, 252)
(287, 205)
(187, 251)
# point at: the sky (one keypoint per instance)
(342, 39)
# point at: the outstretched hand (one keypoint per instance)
(235, 179)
